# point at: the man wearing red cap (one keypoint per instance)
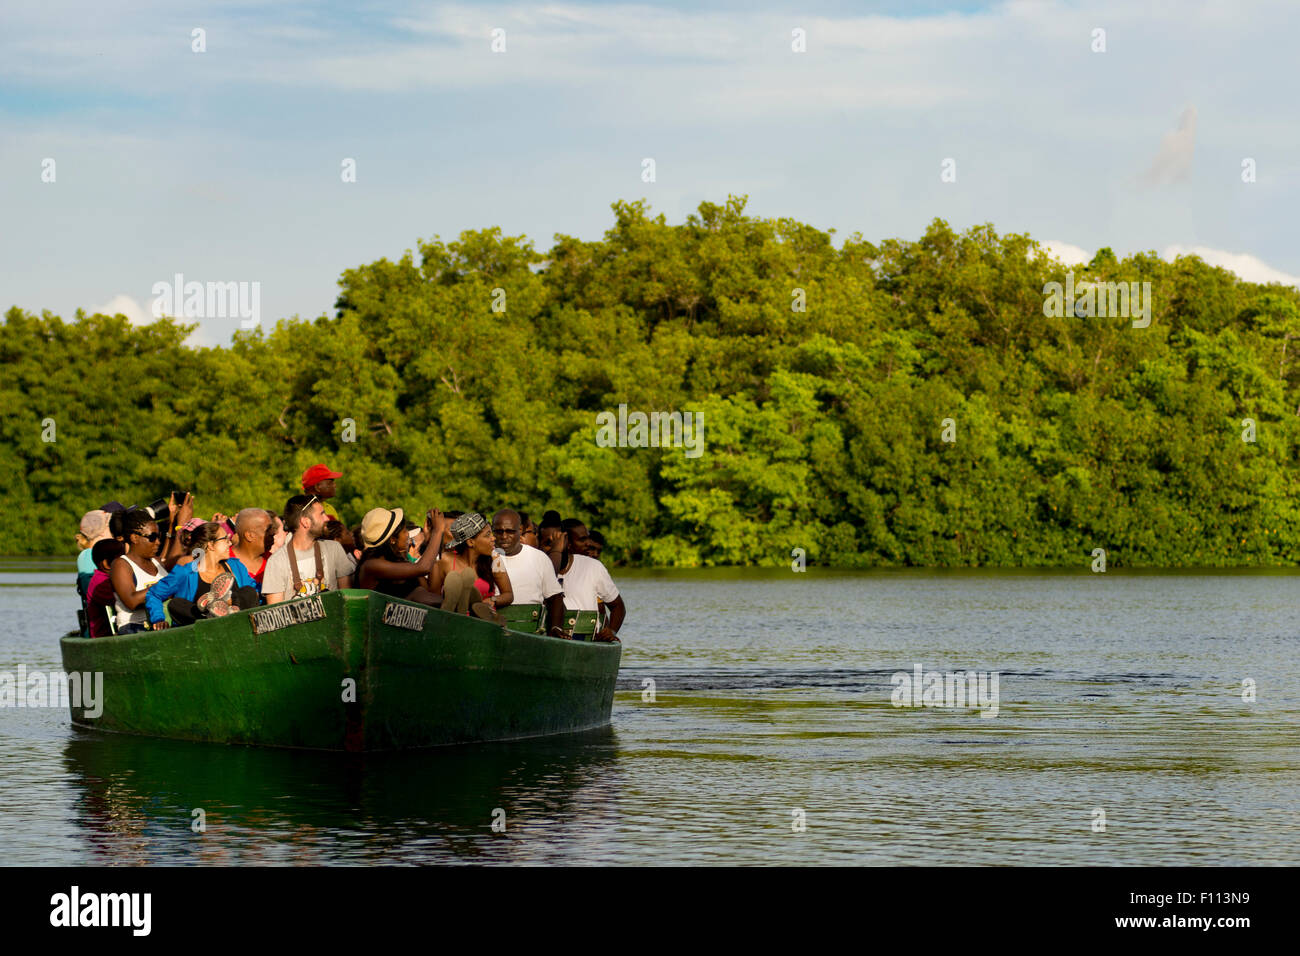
(318, 480)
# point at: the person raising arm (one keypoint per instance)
(383, 566)
(179, 516)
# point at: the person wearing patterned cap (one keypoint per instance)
(470, 573)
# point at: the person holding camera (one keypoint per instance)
(384, 566)
(172, 513)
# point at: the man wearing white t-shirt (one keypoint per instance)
(532, 575)
(585, 582)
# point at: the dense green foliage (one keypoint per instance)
(823, 428)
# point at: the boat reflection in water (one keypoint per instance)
(136, 799)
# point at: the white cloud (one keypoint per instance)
(1174, 160)
(125, 305)
(541, 139)
(692, 60)
(201, 338)
(1066, 253)
(633, 59)
(1243, 264)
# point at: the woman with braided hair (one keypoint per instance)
(136, 572)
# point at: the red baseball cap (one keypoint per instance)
(317, 473)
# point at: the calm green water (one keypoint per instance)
(1120, 691)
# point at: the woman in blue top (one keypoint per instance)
(212, 585)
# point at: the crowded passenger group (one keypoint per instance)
(156, 567)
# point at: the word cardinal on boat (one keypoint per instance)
(978, 689)
(656, 430)
(55, 689)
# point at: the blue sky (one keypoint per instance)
(225, 165)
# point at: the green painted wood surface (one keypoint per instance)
(457, 680)
(581, 624)
(524, 617)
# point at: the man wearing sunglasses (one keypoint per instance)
(532, 575)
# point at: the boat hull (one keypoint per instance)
(348, 670)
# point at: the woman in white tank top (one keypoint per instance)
(134, 572)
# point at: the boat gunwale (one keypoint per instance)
(75, 639)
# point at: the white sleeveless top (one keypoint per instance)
(140, 615)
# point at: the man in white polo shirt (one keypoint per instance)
(585, 582)
(532, 576)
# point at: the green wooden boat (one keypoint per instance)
(346, 670)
